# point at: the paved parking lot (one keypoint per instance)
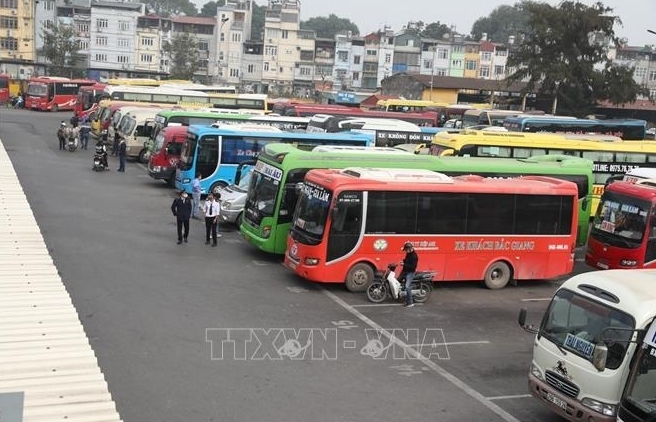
(196, 333)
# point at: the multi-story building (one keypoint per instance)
(77, 15)
(45, 18)
(17, 43)
(643, 61)
(203, 29)
(152, 33)
(407, 53)
(251, 67)
(233, 22)
(378, 57)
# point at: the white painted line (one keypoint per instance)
(450, 343)
(374, 305)
(539, 299)
(142, 166)
(518, 396)
(429, 363)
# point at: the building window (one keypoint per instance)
(123, 25)
(49, 24)
(459, 48)
(8, 22)
(442, 53)
(101, 24)
(202, 64)
(428, 64)
(273, 33)
(82, 44)
(486, 56)
(101, 57)
(372, 53)
(456, 63)
(270, 50)
(485, 71)
(266, 66)
(498, 70)
(123, 59)
(147, 42)
(652, 76)
(123, 42)
(470, 64)
(9, 44)
(388, 58)
(234, 73)
(49, 5)
(640, 72)
(9, 4)
(203, 45)
(356, 76)
(101, 40)
(147, 58)
(501, 53)
(342, 56)
(652, 94)
(356, 59)
(440, 71)
(250, 68)
(305, 71)
(82, 27)
(236, 37)
(285, 34)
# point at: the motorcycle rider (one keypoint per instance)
(61, 135)
(101, 152)
(409, 267)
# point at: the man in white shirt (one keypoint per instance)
(212, 210)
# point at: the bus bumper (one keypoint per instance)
(566, 407)
(161, 173)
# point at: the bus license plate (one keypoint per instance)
(602, 265)
(558, 402)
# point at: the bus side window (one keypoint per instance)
(650, 252)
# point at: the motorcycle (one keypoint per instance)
(72, 136)
(386, 286)
(17, 102)
(71, 144)
(98, 163)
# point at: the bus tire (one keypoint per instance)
(359, 277)
(497, 275)
(214, 189)
(171, 181)
(55, 108)
(142, 156)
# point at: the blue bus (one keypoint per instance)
(216, 152)
(627, 129)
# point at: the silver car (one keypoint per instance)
(233, 199)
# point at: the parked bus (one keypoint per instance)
(638, 400)
(638, 174)
(490, 117)
(349, 223)
(623, 233)
(135, 82)
(4, 88)
(49, 93)
(280, 167)
(135, 127)
(215, 152)
(147, 94)
(166, 152)
(609, 158)
(407, 106)
(88, 97)
(627, 129)
(424, 118)
(209, 89)
(586, 343)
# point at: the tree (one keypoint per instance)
(171, 7)
(328, 27)
(61, 49)
(183, 53)
(560, 54)
(209, 8)
(257, 22)
(435, 30)
(503, 22)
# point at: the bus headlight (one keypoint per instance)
(226, 205)
(311, 261)
(628, 262)
(266, 232)
(157, 169)
(535, 371)
(599, 407)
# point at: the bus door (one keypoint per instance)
(650, 250)
(346, 225)
(207, 162)
(51, 91)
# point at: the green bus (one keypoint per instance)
(273, 189)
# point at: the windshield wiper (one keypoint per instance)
(554, 341)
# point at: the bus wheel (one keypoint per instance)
(171, 181)
(359, 277)
(216, 186)
(55, 108)
(497, 275)
(142, 156)
(239, 218)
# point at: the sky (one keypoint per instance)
(370, 15)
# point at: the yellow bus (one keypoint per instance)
(610, 158)
(407, 106)
(134, 81)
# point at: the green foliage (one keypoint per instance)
(328, 27)
(503, 22)
(257, 23)
(559, 55)
(183, 53)
(61, 49)
(435, 30)
(209, 9)
(171, 7)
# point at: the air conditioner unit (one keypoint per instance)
(13, 12)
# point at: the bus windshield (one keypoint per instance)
(188, 152)
(621, 221)
(311, 213)
(261, 201)
(641, 387)
(37, 90)
(576, 323)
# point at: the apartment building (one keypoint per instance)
(17, 37)
(203, 29)
(349, 53)
(233, 22)
(152, 33)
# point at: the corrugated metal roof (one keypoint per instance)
(44, 352)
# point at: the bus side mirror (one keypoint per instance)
(521, 320)
(584, 204)
(599, 356)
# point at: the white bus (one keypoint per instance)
(209, 89)
(584, 347)
(148, 94)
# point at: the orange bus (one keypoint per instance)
(4, 88)
(51, 93)
(623, 233)
(88, 97)
(350, 223)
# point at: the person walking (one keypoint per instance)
(122, 147)
(61, 135)
(212, 212)
(85, 129)
(409, 267)
(195, 195)
(181, 209)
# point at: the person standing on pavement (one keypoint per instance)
(195, 195)
(181, 209)
(122, 147)
(61, 135)
(409, 267)
(212, 212)
(85, 129)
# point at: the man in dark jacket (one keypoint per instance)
(181, 209)
(409, 267)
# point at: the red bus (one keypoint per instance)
(350, 223)
(166, 153)
(423, 118)
(4, 88)
(88, 97)
(53, 93)
(623, 233)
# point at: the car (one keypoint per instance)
(233, 200)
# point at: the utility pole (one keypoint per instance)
(218, 59)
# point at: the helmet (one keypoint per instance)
(63, 123)
(406, 246)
